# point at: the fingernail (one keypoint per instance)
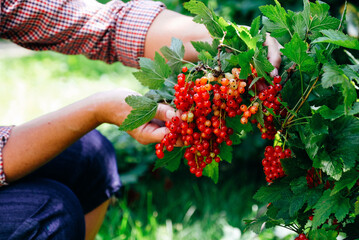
(170, 114)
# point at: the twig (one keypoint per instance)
(290, 72)
(302, 102)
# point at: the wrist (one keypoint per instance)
(110, 106)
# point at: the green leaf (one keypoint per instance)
(279, 20)
(171, 160)
(262, 65)
(243, 60)
(330, 165)
(205, 46)
(164, 94)
(313, 195)
(225, 61)
(321, 20)
(355, 109)
(255, 26)
(290, 93)
(260, 116)
(312, 142)
(291, 167)
(356, 207)
(236, 139)
(211, 171)
(245, 35)
(272, 193)
(205, 57)
(296, 50)
(153, 74)
(348, 181)
(300, 26)
(338, 38)
(332, 75)
(328, 113)
(299, 185)
(345, 141)
(143, 110)
(274, 29)
(226, 152)
(237, 126)
(174, 54)
(350, 95)
(317, 125)
(306, 13)
(346, 133)
(352, 72)
(296, 203)
(256, 224)
(205, 16)
(327, 205)
(323, 234)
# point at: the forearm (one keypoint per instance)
(169, 24)
(34, 143)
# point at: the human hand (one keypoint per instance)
(274, 53)
(112, 108)
(155, 130)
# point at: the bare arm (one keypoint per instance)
(169, 24)
(34, 143)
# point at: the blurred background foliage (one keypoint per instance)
(153, 204)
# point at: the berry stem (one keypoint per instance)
(290, 117)
(290, 72)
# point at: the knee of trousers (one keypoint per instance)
(40, 209)
(88, 167)
(100, 175)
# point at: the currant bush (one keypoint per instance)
(309, 113)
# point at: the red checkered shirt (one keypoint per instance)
(4, 136)
(112, 32)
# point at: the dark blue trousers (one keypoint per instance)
(51, 202)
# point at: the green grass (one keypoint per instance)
(154, 205)
(43, 82)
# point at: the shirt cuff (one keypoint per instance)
(138, 16)
(4, 136)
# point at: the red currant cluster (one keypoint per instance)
(205, 103)
(312, 177)
(271, 163)
(169, 139)
(271, 98)
(301, 237)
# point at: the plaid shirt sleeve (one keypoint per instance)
(112, 32)
(4, 136)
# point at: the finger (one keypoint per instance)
(158, 122)
(274, 53)
(149, 133)
(165, 112)
(274, 73)
(153, 133)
